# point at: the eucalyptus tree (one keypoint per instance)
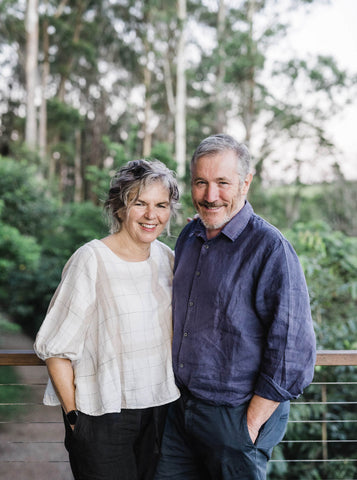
(83, 47)
(158, 32)
(85, 68)
(269, 103)
(31, 70)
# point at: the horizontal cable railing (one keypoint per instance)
(320, 442)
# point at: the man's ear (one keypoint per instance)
(247, 182)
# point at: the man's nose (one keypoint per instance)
(211, 193)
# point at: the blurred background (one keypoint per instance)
(86, 86)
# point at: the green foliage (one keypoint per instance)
(7, 327)
(163, 151)
(307, 427)
(79, 223)
(334, 203)
(118, 151)
(62, 117)
(18, 253)
(99, 179)
(27, 205)
(9, 393)
(329, 260)
(31, 265)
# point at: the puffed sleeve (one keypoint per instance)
(290, 350)
(63, 330)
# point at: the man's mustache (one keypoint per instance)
(211, 204)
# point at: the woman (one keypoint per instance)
(106, 338)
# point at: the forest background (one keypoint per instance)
(87, 86)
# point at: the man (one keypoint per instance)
(243, 341)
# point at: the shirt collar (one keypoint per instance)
(233, 228)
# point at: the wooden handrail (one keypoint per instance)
(336, 357)
(324, 357)
(19, 358)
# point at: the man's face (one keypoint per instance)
(216, 192)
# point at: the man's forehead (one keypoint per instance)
(221, 165)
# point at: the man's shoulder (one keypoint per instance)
(259, 224)
(270, 239)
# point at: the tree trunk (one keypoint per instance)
(55, 139)
(248, 114)
(220, 121)
(69, 66)
(180, 113)
(31, 71)
(168, 83)
(42, 141)
(147, 112)
(78, 181)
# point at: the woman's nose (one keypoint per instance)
(150, 212)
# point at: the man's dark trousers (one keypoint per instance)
(207, 442)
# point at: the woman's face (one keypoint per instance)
(147, 217)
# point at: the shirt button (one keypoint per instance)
(198, 274)
(181, 365)
(190, 304)
(206, 247)
(185, 334)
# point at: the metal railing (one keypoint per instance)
(320, 443)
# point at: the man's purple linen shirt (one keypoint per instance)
(242, 320)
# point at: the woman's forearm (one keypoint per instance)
(62, 377)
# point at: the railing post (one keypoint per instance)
(324, 422)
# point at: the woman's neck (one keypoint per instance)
(124, 247)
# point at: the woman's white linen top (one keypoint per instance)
(112, 319)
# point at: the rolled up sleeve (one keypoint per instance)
(282, 301)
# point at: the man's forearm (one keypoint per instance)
(259, 411)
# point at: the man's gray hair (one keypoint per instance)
(128, 183)
(220, 143)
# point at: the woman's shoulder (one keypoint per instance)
(86, 250)
(161, 249)
(84, 255)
